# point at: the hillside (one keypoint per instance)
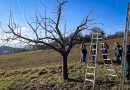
(41, 70)
(9, 50)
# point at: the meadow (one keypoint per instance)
(41, 70)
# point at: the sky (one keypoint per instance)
(111, 13)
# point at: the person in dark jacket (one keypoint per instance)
(83, 52)
(127, 65)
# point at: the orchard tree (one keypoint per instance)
(46, 29)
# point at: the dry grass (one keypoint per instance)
(41, 70)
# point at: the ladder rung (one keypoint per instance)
(97, 38)
(95, 33)
(107, 59)
(90, 67)
(104, 54)
(93, 44)
(112, 75)
(107, 64)
(93, 55)
(111, 70)
(89, 80)
(92, 61)
(90, 73)
(101, 43)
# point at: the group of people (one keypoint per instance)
(118, 50)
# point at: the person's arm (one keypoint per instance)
(107, 47)
(115, 50)
(113, 47)
(81, 48)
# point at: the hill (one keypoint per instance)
(6, 49)
(41, 70)
(9, 50)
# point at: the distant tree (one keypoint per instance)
(119, 34)
(87, 38)
(47, 29)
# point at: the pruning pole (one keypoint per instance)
(125, 48)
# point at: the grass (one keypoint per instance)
(41, 70)
(49, 77)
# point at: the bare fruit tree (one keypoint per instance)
(52, 32)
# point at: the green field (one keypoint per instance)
(41, 70)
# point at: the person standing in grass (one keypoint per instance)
(93, 52)
(83, 53)
(127, 65)
(115, 49)
(104, 50)
(118, 52)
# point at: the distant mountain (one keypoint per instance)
(5, 49)
(8, 49)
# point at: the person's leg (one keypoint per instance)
(84, 58)
(81, 57)
(117, 59)
(104, 57)
(93, 58)
(121, 58)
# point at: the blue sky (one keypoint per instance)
(111, 13)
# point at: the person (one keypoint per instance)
(118, 52)
(93, 52)
(114, 49)
(104, 50)
(127, 65)
(83, 52)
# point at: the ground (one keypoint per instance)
(41, 70)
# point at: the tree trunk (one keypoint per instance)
(64, 67)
